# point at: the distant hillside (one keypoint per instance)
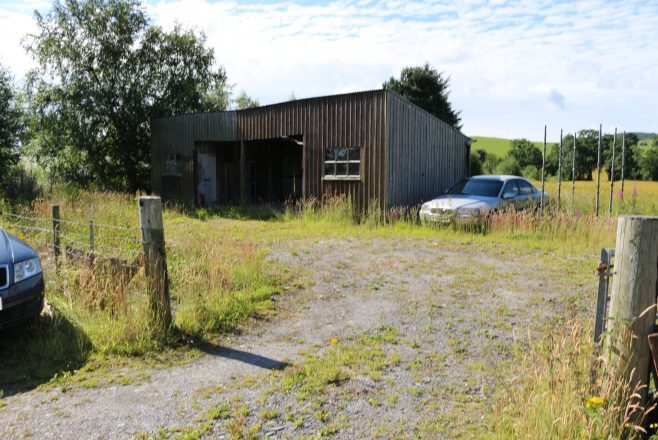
(644, 136)
(500, 146)
(497, 146)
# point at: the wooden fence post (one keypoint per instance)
(573, 171)
(598, 172)
(612, 173)
(91, 237)
(633, 301)
(543, 172)
(56, 233)
(623, 162)
(559, 173)
(155, 263)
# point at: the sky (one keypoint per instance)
(514, 66)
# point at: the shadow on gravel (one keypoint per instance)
(244, 357)
(34, 354)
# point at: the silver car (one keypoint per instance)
(473, 199)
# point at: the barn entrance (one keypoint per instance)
(258, 171)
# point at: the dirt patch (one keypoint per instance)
(442, 319)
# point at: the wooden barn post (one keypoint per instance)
(243, 172)
(155, 263)
(633, 301)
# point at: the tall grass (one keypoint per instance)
(561, 390)
(100, 309)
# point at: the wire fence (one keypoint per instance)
(77, 239)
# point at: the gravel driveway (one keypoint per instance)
(455, 313)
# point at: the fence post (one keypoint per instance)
(543, 172)
(612, 172)
(56, 232)
(623, 162)
(91, 236)
(598, 172)
(633, 301)
(573, 171)
(155, 263)
(559, 173)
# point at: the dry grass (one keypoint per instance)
(639, 197)
(561, 390)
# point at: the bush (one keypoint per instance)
(531, 172)
(508, 165)
(20, 186)
(476, 165)
(649, 164)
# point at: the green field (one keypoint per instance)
(494, 145)
(500, 146)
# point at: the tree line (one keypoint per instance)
(524, 158)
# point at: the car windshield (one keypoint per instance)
(477, 187)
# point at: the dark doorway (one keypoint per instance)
(273, 168)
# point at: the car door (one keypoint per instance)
(526, 197)
(510, 195)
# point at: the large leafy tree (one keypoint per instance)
(631, 159)
(244, 101)
(525, 153)
(10, 125)
(648, 163)
(428, 89)
(104, 72)
(586, 155)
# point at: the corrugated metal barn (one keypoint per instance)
(372, 145)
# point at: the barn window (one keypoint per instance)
(342, 163)
(172, 166)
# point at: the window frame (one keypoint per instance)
(347, 161)
(510, 183)
(521, 182)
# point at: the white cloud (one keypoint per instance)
(520, 59)
(554, 100)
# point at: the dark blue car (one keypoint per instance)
(21, 281)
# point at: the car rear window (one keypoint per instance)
(477, 187)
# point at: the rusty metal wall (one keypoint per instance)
(425, 156)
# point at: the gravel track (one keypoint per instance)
(458, 311)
